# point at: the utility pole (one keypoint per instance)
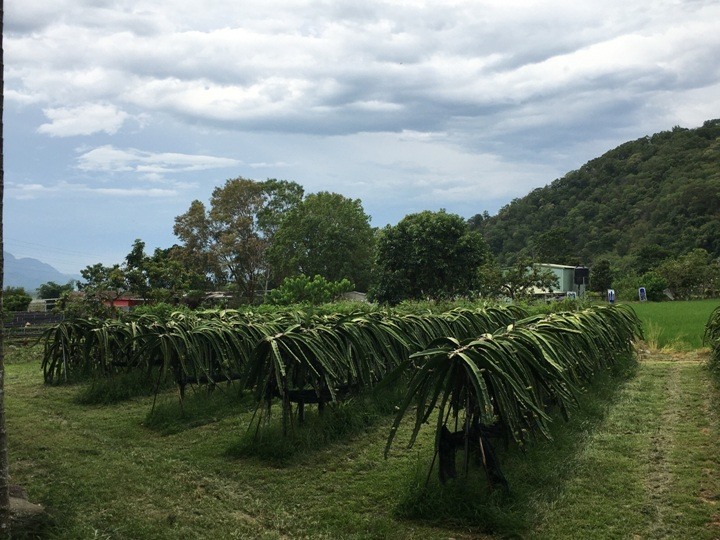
(4, 485)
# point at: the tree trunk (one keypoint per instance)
(4, 488)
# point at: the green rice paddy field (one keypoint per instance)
(678, 325)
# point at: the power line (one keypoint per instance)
(61, 251)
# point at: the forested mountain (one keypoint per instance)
(648, 199)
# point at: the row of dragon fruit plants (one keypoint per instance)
(491, 370)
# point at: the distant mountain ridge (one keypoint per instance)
(655, 197)
(31, 273)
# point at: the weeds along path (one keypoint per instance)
(652, 469)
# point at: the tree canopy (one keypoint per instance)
(54, 290)
(231, 238)
(16, 299)
(326, 235)
(428, 254)
(306, 290)
(601, 278)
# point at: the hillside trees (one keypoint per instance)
(326, 235)
(428, 254)
(660, 190)
(553, 245)
(649, 257)
(233, 235)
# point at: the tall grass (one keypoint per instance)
(201, 406)
(119, 387)
(711, 338)
(339, 421)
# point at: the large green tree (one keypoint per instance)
(523, 278)
(135, 269)
(328, 235)
(162, 276)
(233, 235)
(428, 254)
(693, 275)
(51, 290)
(168, 276)
(103, 283)
(193, 229)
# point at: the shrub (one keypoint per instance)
(655, 286)
(16, 299)
(304, 290)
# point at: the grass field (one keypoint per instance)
(678, 325)
(112, 472)
(650, 470)
(638, 459)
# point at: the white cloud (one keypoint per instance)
(344, 68)
(65, 189)
(110, 159)
(83, 120)
(27, 191)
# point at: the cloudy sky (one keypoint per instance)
(119, 113)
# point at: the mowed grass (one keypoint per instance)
(675, 324)
(638, 459)
(103, 473)
(650, 469)
(112, 471)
